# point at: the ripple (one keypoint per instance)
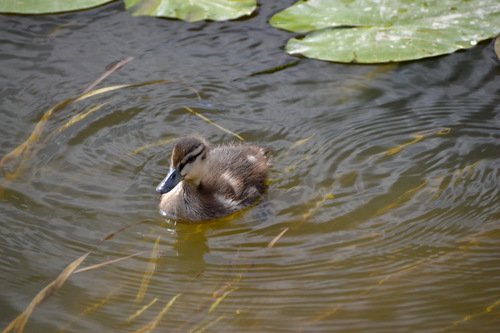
(385, 179)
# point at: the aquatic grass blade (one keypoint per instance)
(203, 328)
(401, 199)
(141, 310)
(216, 303)
(199, 115)
(277, 238)
(107, 73)
(19, 323)
(103, 90)
(316, 204)
(150, 269)
(122, 229)
(392, 151)
(226, 286)
(275, 69)
(23, 151)
(106, 263)
(158, 143)
(417, 137)
(79, 117)
(149, 327)
(90, 309)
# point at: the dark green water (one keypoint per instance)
(387, 178)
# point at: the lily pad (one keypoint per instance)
(375, 31)
(192, 10)
(47, 6)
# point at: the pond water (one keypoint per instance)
(385, 182)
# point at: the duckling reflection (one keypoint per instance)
(207, 183)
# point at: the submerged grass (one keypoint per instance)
(202, 328)
(458, 177)
(122, 229)
(150, 269)
(397, 149)
(326, 314)
(108, 72)
(199, 115)
(136, 314)
(300, 142)
(470, 241)
(79, 117)
(304, 157)
(199, 323)
(158, 143)
(292, 167)
(91, 308)
(107, 89)
(226, 286)
(316, 204)
(466, 173)
(17, 325)
(219, 299)
(400, 200)
(470, 317)
(277, 238)
(24, 151)
(149, 327)
(275, 69)
(417, 137)
(13, 164)
(356, 85)
(108, 262)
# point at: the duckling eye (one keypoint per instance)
(191, 159)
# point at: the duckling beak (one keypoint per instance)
(168, 183)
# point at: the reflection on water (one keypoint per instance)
(383, 204)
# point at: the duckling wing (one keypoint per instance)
(239, 172)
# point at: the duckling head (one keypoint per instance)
(188, 163)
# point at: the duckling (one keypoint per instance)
(206, 182)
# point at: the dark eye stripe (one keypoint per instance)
(194, 152)
(189, 160)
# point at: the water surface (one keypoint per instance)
(387, 178)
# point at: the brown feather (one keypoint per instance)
(235, 176)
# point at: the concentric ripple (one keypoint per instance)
(381, 215)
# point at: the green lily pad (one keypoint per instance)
(375, 31)
(192, 10)
(47, 6)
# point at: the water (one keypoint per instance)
(387, 178)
